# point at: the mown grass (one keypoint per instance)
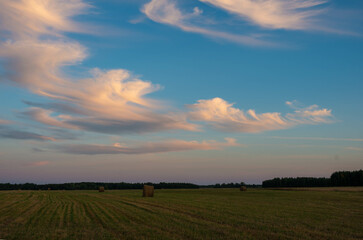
(181, 214)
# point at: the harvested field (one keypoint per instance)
(181, 214)
(322, 189)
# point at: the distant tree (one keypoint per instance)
(342, 178)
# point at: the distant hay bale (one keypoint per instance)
(148, 191)
(243, 188)
(101, 189)
(48, 189)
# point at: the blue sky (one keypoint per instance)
(166, 90)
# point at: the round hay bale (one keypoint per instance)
(101, 189)
(148, 191)
(243, 188)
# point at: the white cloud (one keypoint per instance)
(223, 116)
(166, 12)
(274, 14)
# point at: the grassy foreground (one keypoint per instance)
(181, 214)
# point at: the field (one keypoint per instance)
(181, 214)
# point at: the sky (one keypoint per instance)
(201, 91)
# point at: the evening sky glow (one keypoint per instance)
(179, 91)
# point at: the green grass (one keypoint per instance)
(181, 214)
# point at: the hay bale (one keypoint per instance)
(243, 188)
(148, 191)
(101, 189)
(48, 189)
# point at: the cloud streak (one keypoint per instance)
(23, 135)
(273, 14)
(149, 147)
(4, 122)
(221, 115)
(39, 163)
(111, 125)
(319, 139)
(167, 12)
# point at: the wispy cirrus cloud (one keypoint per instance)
(223, 116)
(302, 15)
(167, 12)
(148, 147)
(274, 14)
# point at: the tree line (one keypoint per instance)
(231, 185)
(114, 186)
(95, 186)
(340, 178)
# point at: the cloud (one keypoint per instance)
(149, 147)
(36, 56)
(30, 18)
(4, 122)
(223, 116)
(354, 148)
(110, 124)
(39, 163)
(166, 12)
(319, 138)
(23, 135)
(57, 107)
(37, 149)
(273, 14)
(36, 64)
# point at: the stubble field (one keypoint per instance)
(181, 214)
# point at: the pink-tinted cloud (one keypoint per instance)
(39, 163)
(4, 122)
(148, 147)
(223, 116)
(30, 18)
(36, 53)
